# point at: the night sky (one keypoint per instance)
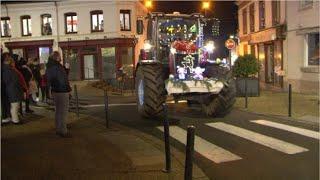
(226, 11)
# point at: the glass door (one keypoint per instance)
(90, 67)
(109, 63)
(269, 64)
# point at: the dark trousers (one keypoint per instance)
(43, 93)
(5, 106)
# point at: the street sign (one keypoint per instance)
(230, 44)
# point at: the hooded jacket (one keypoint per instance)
(57, 77)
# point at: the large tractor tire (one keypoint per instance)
(221, 104)
(150, 91)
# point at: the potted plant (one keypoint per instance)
(246, 69)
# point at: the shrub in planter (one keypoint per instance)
(245, 69)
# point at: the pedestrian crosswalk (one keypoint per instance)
(209, 150)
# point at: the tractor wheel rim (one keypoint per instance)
(141, 92)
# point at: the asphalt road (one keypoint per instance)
(232, 147)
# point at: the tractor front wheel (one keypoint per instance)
(150, 90)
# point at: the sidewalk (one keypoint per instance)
(304, 107)
(33, 151)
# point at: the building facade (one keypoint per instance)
(301, 47)
(261, 33)
(96, 39)
(284, 37)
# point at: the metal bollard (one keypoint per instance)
(189, 153)
(246, 93)
(290, 100)
(166, 139)
(106, 109)
(77, 99)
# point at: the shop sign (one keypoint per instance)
(230, 44)
(263, 36)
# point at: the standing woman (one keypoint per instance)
(13, 89)
(58, 81)
(43, 83)
(27, 74)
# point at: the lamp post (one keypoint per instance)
(205, 6)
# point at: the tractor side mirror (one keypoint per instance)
(139, 26)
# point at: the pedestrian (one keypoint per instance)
(27, 74)
(13, 89)
(33, 87)
(5, 104)
(60, 87)
(43, 83)
(35, 68)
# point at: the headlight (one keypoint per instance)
(209, 46)
(147, 46)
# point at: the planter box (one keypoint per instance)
(253, 88)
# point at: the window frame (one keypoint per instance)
(48, 16)
(251, 18)
(262, 20)
(28, 30)
(306, 54)
(6, 19)
(245, 21)
(96, 12)
(275, 9)
(304, 5)
(123, 12)
(66, 15)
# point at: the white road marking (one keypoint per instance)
(273, 143)
(205, 148)
(301, 131)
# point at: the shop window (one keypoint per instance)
(44, 53)
(125, 20)
(109, 64)
(244, 21)
(5, 27)
(71, 23)
(97, 23)
(252, 50)
(245, 49)
(26, 25)
(46, 26)
(251, 14)
(126, 56)
(262, 20)
(70, 56)
(275, 12)
(313, 49)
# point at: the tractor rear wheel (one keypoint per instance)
(222, 103)
(150, 90)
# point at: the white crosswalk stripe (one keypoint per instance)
(273, 143)
(301, 131)
(205, 148)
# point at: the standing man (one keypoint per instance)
(59, 83)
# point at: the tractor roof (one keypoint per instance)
(175, 14)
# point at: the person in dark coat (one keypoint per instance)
(27, 74)
(57, 79)
(13, 89)
(5, 104)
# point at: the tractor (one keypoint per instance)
(175, 61)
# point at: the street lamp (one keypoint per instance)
(148, 4)
(205, 6)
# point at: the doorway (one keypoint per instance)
(90, 63)
(269, 52)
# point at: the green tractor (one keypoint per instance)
(176, 61)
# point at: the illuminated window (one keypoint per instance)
(97, 21)
(251, 14)
(46, 26)
(275, 12)
(5, 27)
(26, 25)
(125, 21)
(71, 23)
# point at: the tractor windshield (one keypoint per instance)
(177, 33)
(177, 29)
